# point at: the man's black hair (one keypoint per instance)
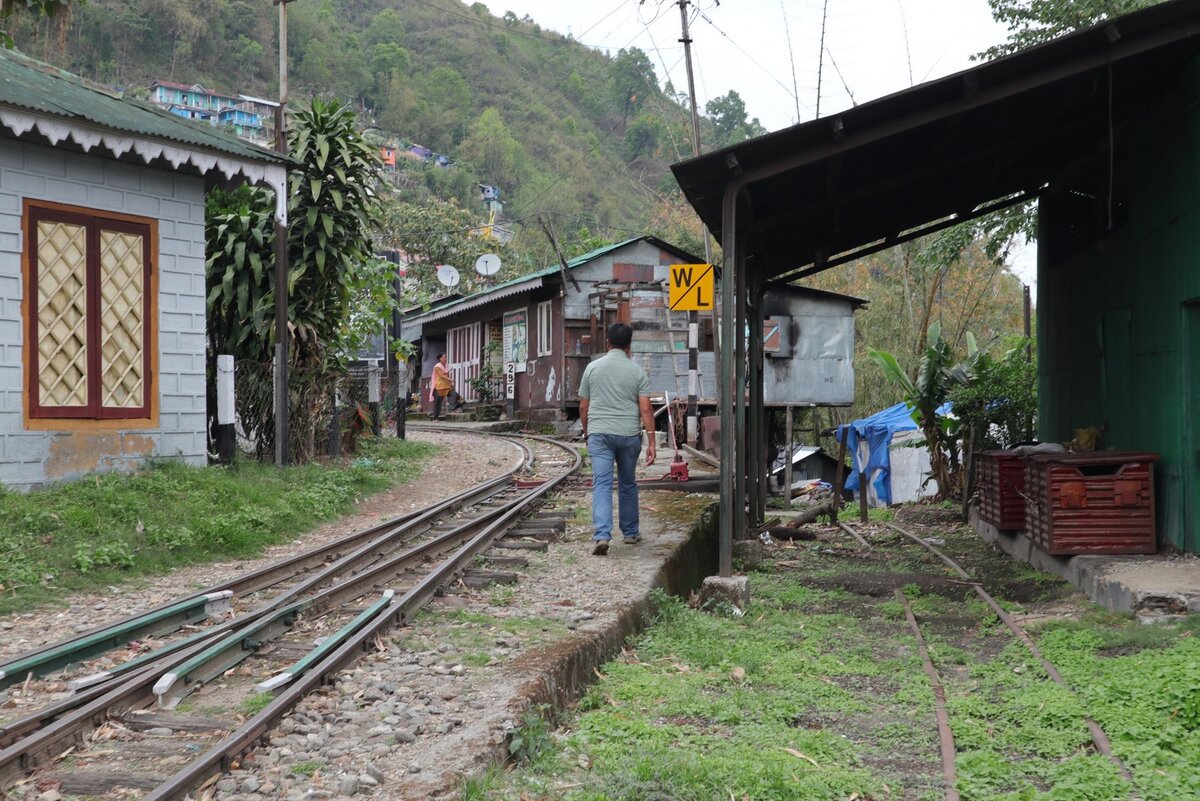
(620, 335)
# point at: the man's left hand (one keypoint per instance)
(651, 451)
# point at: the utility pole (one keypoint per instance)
(281, 260)
(693, 421)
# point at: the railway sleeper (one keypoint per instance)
(478, 579)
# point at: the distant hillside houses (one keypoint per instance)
(251, 118)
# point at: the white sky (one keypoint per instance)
(744, 45)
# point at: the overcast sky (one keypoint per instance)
(872, 47)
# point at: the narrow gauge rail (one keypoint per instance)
(308, 570)
(946, 738)
(447, 549)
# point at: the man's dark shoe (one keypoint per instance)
(600, 548)
(633, 540)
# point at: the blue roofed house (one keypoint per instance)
(102, 290)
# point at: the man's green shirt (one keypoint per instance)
(612, 384)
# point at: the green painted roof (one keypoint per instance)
(32, 85)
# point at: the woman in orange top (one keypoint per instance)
(441, 386)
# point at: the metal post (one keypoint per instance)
(225, 409)
(373, 396)
(281, 263)
(739, 370)
(787, 456)
(693, 424)
(335, 424)
(728, 383)
(403, 396)
(754, 442)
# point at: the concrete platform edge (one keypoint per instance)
(1089, 574)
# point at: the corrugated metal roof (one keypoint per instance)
(867, 176)
(32, 85)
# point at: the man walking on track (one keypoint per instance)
(614, 405)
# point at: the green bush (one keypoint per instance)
(1000, 402)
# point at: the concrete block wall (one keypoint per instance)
(31, 459)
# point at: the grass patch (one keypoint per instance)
(818, 693)
(253, 704)
(103, 529)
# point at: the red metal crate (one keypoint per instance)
(1001, 484)
(1098, 503)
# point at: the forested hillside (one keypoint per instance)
(560, 128)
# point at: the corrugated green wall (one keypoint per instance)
(1119, 319)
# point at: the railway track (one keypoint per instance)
(947, 749)
(254, 646)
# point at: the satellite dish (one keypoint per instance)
(487, 265)
(447, 275)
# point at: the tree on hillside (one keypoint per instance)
(490, 148)
(730, 126)
(59, 10)
(631, 80)
(1032, 22)
(435, 233)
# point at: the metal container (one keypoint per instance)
(1091, 503)
(1001, 488)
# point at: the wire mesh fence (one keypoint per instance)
(329, 408)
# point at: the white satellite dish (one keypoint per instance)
(447, 275)
(487, 265)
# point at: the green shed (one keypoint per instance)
(1119, 303)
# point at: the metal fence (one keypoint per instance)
(328, 409)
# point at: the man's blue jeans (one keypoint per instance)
(604, 450)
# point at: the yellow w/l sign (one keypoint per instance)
(691, 287)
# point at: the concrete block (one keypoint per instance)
(23, 183)
(734, 590)
(120, 176)
(46, 161)
(175, 210)
(101, 197)
(144, 205)
(749, 553)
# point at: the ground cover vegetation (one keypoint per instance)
(105, 529)
(817, 691)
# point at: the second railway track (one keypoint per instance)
(277, 634)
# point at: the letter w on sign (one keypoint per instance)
(690, 287)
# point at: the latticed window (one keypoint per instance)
(88, 285)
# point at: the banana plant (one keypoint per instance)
(937, 374)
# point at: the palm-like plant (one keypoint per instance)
(937, 374)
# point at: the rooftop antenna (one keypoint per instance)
(447, 275)
(791, 55)
(821, 55)
(488, 265)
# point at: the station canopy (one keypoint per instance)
(824, 192)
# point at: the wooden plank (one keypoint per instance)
(165, 720)
(520, 545)
(101, 782)
(478, 579)
(500, 559)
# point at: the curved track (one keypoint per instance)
(342, 595)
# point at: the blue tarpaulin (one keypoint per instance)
(867, 442)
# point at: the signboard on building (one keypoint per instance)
(516, 339)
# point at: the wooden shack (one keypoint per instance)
(549, 324)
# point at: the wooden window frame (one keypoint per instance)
(545, 328)
(94, 414)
